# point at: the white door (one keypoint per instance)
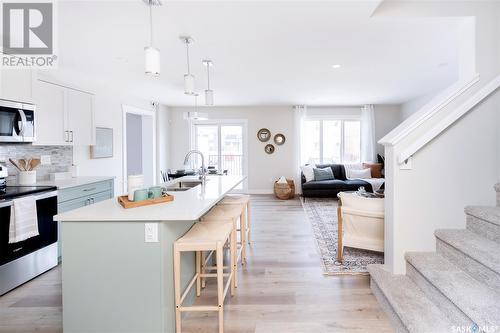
(80, 117)
(50, 114)
(139, 145)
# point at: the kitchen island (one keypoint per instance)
(117, 273)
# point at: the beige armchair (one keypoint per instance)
(360, 223)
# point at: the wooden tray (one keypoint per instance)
(126, 203)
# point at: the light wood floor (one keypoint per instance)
(281, 290)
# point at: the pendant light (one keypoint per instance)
(188, 78)
(195, 115)
(209, 93)
(151, 54)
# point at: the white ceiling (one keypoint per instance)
(265, 53)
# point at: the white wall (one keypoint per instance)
(264, 169)
(147, 150)
(387, 117)
(457, 168)
(412, 106)
(163, 139)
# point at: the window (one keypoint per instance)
(331, 141)
(222, 146)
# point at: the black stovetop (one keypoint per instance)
(11, 192)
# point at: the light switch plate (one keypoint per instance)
(151, 232)
(45, 159)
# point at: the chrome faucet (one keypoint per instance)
(186, 160)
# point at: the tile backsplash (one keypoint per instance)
(61, 158)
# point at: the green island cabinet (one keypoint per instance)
(70, 198)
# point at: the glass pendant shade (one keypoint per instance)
(189, 84)
(209, 97)
(152, 60)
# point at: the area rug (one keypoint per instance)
(322, 214)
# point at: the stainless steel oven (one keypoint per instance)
(22, 261)
(17, 121)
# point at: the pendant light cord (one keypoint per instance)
(208, 75)
(187, 56)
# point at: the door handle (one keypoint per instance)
(66, 136)
(23, 122)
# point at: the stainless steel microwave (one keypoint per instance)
(17, 121)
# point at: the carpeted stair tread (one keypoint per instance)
(476, 300)
(417, 313)
(476, 247)
(486, 213)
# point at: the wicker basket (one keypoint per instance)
(285, 191)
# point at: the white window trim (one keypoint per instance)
(343, 119)
(219, 123)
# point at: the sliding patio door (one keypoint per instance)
(223, 145)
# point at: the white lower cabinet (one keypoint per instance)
(64, 116)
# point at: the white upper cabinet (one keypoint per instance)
(50, 114)
(64, 116)
(79, 107)
(15, 85)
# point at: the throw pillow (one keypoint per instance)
(323, 174)
(376, 169)
(361, 174)
(308, 172)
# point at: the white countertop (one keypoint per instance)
(72, 182)
(187, 205)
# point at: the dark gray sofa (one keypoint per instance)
(330, 188)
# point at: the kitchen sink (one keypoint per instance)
(177, 188)
(184, 185)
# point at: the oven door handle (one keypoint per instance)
(37, 197)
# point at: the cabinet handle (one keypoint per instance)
(89, 189)
(66, 136)
(71, 136)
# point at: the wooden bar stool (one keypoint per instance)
(205, 236)
(228, 214)
(240, 199)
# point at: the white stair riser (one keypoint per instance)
(474, 268)
(437, 297)
(484, 228)
(396, 322)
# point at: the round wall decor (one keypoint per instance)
(269, 148)
(264, 135)
(279, 139)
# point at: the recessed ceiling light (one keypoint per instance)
(336, 66)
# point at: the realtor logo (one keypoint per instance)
(27, 28)
(28, 34)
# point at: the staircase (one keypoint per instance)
(456, 288)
